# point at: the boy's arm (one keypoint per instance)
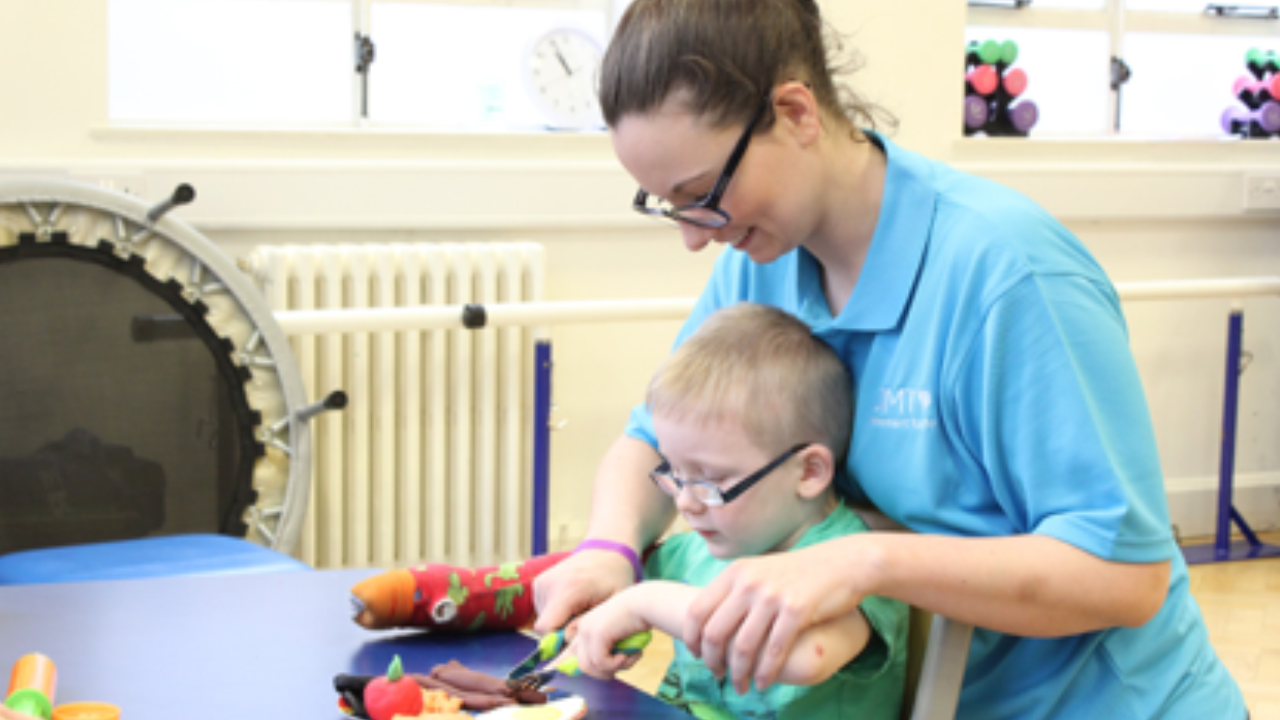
(816, 655)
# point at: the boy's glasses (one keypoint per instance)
(707, 493)
(704, 212)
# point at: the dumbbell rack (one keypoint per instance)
(991, 87)
(1257, 112)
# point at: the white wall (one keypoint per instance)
(1149, 211)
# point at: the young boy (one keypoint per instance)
(752, 415)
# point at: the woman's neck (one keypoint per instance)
(852, 193)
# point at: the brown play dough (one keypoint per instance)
(477, 690)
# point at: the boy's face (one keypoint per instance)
(770, 516)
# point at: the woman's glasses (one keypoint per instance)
(704, 212)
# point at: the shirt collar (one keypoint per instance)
(897, 246)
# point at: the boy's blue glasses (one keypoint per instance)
(707, 493)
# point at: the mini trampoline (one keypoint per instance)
(145, 388)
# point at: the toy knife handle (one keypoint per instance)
(630, 645)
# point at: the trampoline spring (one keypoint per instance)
(141, 237)
(262, 527)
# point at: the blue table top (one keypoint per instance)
(259, 646)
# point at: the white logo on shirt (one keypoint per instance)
(904, 409)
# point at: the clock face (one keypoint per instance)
(560, 72)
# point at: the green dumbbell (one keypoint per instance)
(1008, 52)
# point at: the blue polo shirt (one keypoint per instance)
(996, 395)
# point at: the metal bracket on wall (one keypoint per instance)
(1247, 12)
(365, 53)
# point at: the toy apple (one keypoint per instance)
(394, 694)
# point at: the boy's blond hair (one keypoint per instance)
(764, 368)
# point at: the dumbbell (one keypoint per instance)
(1237, 120)
(1260, 63)
(1014, 82)
(1016, 120)
(1253, 93)
(984, 53)
(977, 111)
(982, 80)
(972, 54)
(1008, 53)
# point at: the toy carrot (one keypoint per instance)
(446, 598)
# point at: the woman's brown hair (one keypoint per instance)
(724, 57)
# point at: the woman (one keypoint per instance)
(999, 412)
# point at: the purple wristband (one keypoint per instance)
(617, 547)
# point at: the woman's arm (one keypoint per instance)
(1031, 585)
(625, 508)
(749, 617)
(818, 652)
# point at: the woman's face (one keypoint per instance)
(674, 156)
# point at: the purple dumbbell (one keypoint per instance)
(1236, 119)
(977, 110)
(1023, 116)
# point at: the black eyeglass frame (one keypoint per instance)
(724, 496)
(711, 201)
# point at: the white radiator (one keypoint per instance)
(431, 461)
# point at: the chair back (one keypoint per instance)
(938, 648)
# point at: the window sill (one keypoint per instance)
(362, 142)
(1187, 154)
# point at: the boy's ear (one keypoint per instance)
(819, 470)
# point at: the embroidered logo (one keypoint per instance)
(904, 409)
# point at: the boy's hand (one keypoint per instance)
(577, 584)
(602, 628)
(7, 714)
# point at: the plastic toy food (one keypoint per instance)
(31, 686)
(392, 695)
(446, 598)
(456, 683)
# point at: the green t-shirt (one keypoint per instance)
(870, 687)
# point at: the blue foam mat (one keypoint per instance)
(143, 558)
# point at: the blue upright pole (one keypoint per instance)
(541, 444)
(1230, 413)
(1223, 549)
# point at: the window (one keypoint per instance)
(438, 65)
(1182, 63)
(229, 61)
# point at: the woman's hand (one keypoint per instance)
(605, 626)
(577, 584)
(748, 619)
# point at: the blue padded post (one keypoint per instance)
(143, 558)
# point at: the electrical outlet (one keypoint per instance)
(1262, 192)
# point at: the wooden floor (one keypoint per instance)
(1241, 605)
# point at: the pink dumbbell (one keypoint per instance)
(1015, 82)
(983, 79)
